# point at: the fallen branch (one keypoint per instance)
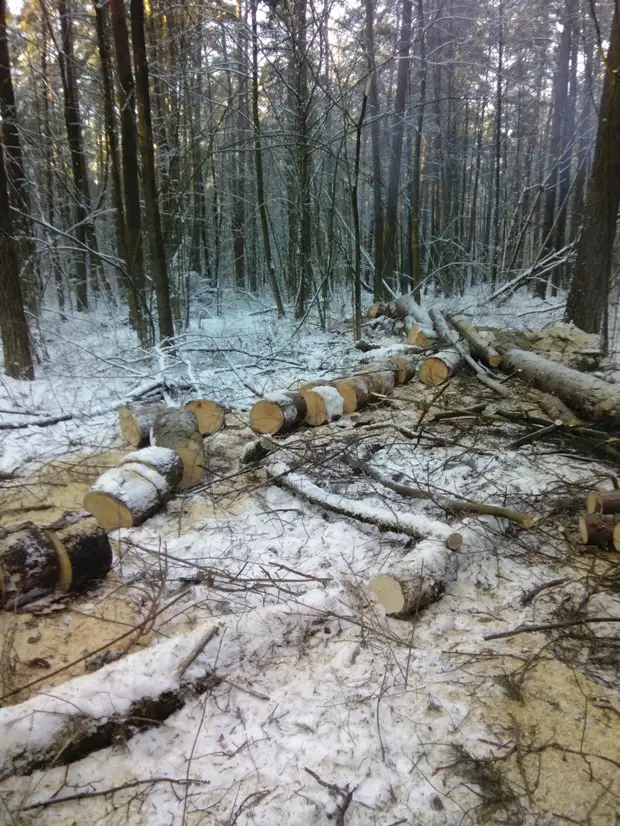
(551, 626)
(464, 506)
(414, 525)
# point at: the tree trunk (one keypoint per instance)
(416, 238)
(391, 209)
(373, 109)
(495, 252)
(147, 153)
(15, 339)
(258, 162)
(589, 291)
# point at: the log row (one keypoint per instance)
(36, 561)
(317, 402)
(600, 525)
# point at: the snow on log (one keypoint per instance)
(278, 413)
(406, 305)
(557, 410)
(126, 496)
(599, 529)
(165, 461)
(29, 566)
(438, 368)
(586, 394)
(416, 525)
(83, 550)
(419, 335)
(210, 415)
(354, 391)
(417, 580)
(479, 347)
(136, 421)
(603, 501)
(323, 403)
(178, 430)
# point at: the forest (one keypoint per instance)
(309, 412)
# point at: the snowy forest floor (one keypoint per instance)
(307, 705)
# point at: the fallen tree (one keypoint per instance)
(417, 580)
(592, 397)
(36, 561)
(478, 346)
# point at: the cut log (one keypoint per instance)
(406, 368)
(278, 413)
(598, 529)
(210, 415)
(603, 501)
(587, 395)
(334, 404)
(165, 461)
(421, 336)
(437, 369)
(616, 537)
(479, 347)
(258, 450)
(316, 409)
(354, 392)
(83, 550)
(136, 421)
(126, 496)
(557, 410)
(29, 566)
(380, 383)
(178, 430)
(376, 310)
(416, 581)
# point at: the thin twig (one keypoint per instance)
(551, 626)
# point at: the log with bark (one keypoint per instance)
(380, 383)
(557, 410)
(278, 413)
(323, 403)
(438, 368)
(603, 501)
(477, 344)
(417, 580)
(419, 335)
(35, 561)
(600, 529)
(177, 430)
(126, 496)
(161, 459)
(586, 394)
(136, 421)
(355, 393)
(209, 414)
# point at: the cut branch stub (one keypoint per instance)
(126, 496)
(604, 501)
(598, 529)
(178, 430)
(136, 421)
(278, 413)
(437, 369)
(210, 415)
(161, 459)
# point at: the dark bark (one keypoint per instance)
(373, 110)
(402, 81)
(415, 236)
(495, 251)
(587, 300)
(15, 340)
(147, 153)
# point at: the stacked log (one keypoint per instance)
(125, 496)
(35, 561)
(600, 525)
(136, 421)
(178, 430)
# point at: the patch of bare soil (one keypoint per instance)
(39, 644)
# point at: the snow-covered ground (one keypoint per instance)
(324, 710)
